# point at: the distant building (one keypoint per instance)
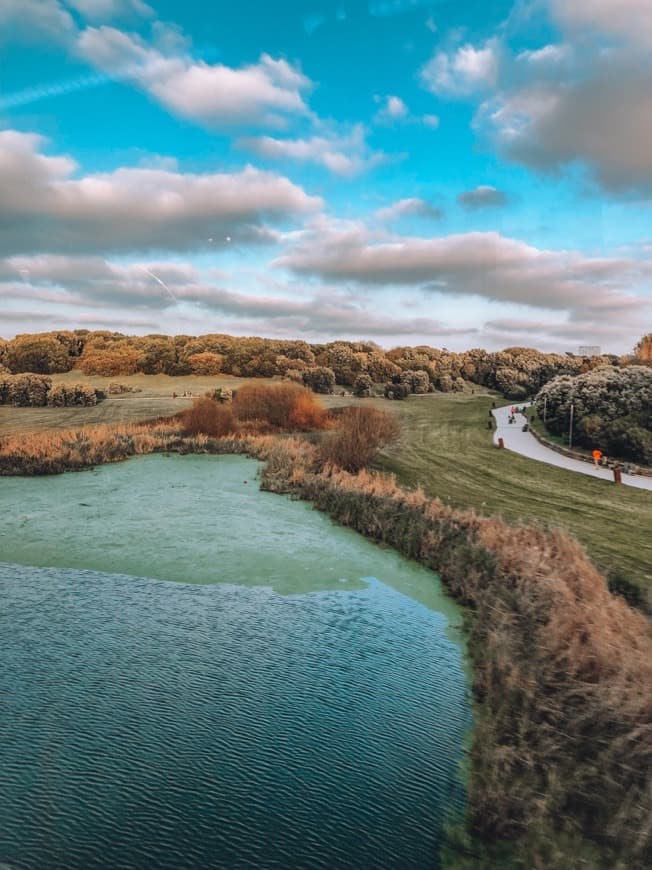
(589, 350)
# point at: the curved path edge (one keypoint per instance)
(525, 444)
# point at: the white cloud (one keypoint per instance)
(107, 10)
(463, 71)
(345, 154)
(487, 265)
(483, 196)
(45, 208)
(35, 20)
(412, 206)
(627, 19)
(215, 95)
(601, 117)
(393, 109)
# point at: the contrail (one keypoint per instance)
(162, 283)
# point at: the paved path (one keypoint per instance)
(527, 445)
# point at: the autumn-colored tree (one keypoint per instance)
(320, 379)
(206, 363)
(40, 353)
(643, 349)
(111, 361)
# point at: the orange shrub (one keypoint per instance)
(206, 417)
(285, 406)
(362, 431)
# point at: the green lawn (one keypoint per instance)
(445, 447)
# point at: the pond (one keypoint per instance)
(297, 697)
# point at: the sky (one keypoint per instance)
(459, 174)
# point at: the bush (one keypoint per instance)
(361, 433)
(320, 379)
(416, 381)
(362, 386)
(206, 417)
(24, 391)
(396, 391)
(117, 389)
(64, 395)
(223, 395)
(284, 406)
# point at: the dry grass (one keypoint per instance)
(360, 433)
(206, 417)
(284, 406)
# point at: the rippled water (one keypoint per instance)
(148, 724)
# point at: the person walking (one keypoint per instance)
(597, 456)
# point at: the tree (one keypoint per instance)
(206, 363)
(320, 379)
(643, 349)
(41, 354)
(362, 386)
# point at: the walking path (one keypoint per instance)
(527, 445)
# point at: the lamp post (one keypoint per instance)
(570, 428)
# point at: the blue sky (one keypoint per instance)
(407, 171)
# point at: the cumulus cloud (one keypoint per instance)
(35, 20)
(45, 208)
(393, 109)
(628, 19)
(483, 196)
(412, 206)
(216, 95)
(486, 264)
(462, 71)
(345, 154)
(601, 116)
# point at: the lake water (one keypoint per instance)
(297, 697)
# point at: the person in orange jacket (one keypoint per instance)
(597, 456)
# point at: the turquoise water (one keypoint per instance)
(216, 723)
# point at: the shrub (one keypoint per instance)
(223, 395)
(320, 379)
(206, 417)
(416, 381)
(361, 433)
(284, 406)
(362, 386)
(117, 389)
(396, 391)
(24, 391)
(63, 395)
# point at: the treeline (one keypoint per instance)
(35, 391)
(612, 410)
(517, 372)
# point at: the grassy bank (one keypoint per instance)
(447, 449)
(560, 756)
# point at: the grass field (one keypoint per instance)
(445, 447)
